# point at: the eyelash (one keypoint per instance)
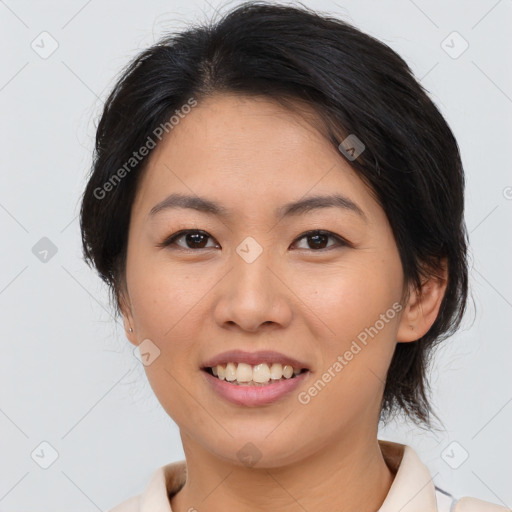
(180, 234)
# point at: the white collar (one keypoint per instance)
(412, 489)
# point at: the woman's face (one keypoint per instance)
(250, 280)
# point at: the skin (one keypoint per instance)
(252, 155)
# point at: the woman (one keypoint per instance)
(277, 207)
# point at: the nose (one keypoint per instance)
(253, 296)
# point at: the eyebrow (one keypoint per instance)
(299, 207)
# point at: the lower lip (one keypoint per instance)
(253, 396)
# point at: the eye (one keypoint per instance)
(194, 238)
(318, 239)
(197, 239)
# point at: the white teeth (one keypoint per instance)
(287, 371)
(261, 373)
(230, 372)
(276, 371)
(246, 374)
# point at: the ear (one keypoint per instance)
(126, 311)
(423, 306)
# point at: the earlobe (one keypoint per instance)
(422, 308)
(126, 312)
(129, 331)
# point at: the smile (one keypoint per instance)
(261, 374)
(254, 394)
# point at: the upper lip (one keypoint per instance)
(253, 358)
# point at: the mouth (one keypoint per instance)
(254, 384)
(261, 374)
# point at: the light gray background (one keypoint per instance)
(68, 375)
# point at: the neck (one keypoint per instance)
(334, 478)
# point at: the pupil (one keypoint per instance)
(317, 237)
(194, 240)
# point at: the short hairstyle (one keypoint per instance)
(356, 85)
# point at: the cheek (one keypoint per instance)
(357, 345)
(351, 296)
(355, 301)
(165, 296)
(166, 304)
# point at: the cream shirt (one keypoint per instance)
(412, 489)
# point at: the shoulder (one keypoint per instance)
(447, 503)
(165, 481)
(130, 505)
(468, 504)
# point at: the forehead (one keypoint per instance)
(229, 126)
(247, 149)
